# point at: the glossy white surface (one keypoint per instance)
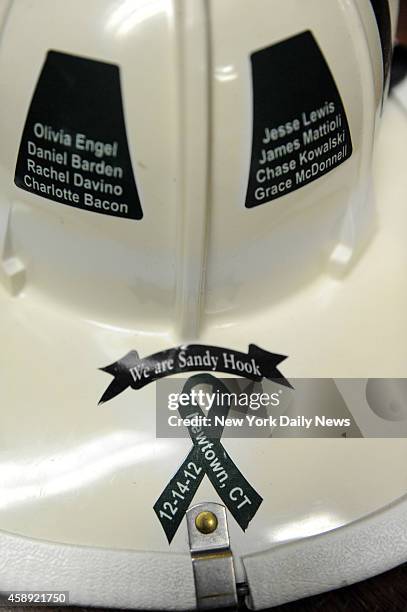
(186, 91)
(75, 472)
(72, 471)
(276, 250)
(89, 261)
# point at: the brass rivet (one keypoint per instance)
(206, 522)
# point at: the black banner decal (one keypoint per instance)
(207, 456)
(135, 372)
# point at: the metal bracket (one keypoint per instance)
(212, 559)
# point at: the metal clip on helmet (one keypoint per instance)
(181, 180)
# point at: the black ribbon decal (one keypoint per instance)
(135, 372)
(207, 456)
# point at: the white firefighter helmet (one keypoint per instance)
(187, 186)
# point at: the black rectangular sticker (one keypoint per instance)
(74, 145)
(300, 128)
